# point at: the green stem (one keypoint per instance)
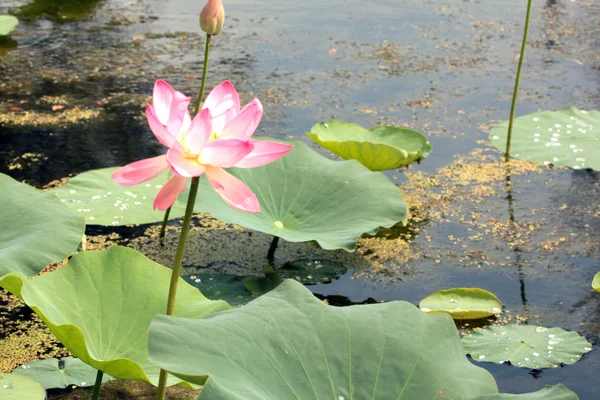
(517, 80)
(163, 227)
(185, 230)
(97, 385)
(204, 72)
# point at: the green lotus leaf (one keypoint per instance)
(230, 288)
(53, 373)
(305, 196)
(20, 387)
(310, 272)
(462, 303)
(104, 202)
(100, 306)
(596, 282)
(379, 148)
(36, 228)
(557, 392)
(288, 344)
(526, 346)
(565, 138)
(7, 24)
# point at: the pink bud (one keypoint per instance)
(212, 17)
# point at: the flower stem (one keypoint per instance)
(518, 78)
(185, 229)
(204, 72)
(163, 227)
(97, 385)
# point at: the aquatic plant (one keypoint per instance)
(7, 24)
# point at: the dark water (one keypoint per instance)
(442, 67)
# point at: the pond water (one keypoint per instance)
(73, 83)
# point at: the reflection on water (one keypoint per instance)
(57, 10)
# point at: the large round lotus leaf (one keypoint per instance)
(35, 228)
(104, 202)
(462, 303)
(289, 345)
(304, 196)
(20, 387)
(230, 288)
(526, 346)
(7, 24)
(53, 373)
(378, 148)
(565, 138)
(596, 282)
(100, 306)
(557, 392)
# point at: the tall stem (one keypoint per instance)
(518, 78)
(97, 385)
(196, 109)
(185, 230)
(204, 72)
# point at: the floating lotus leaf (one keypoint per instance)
(565, 138)
(53, 373)
(526, 346)
(557, 392)
(305, 196)
(462, 303)
(20, 387)
(35, 228)
(230, 288)
(378, 148)
(596, 282)
(288, 344)
(104, 202)
(311, 272)
(100, 306)
(7, 24)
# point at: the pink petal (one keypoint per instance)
(224, 153)
(263, 153)
(232, 190)
(224, 104)
(177, 111)
(169, 192)
(162, 134)
(245, 123)
(181, 165)
(162, 96)
(140, 171)
(199, 132)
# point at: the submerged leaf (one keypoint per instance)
(100, 306)
(305, 196)
(52, 373)
(462, 303)
(288, 344)
(35, 228)
(310, 272)
(556, 392)
(565, 138)
(379, 148)
(230, 288)
(526, 346)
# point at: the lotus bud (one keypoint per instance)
(212, 17)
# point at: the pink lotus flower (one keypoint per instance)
(217, 138)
